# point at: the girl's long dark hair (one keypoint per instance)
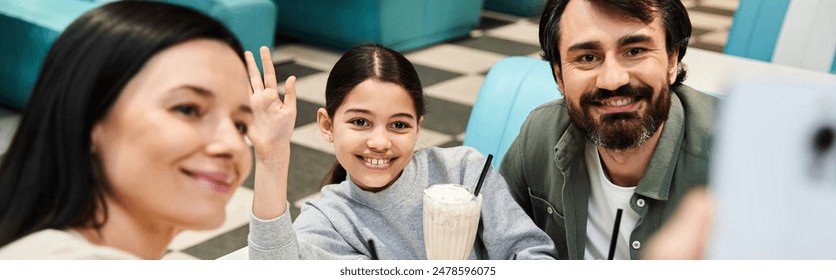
(48, 178)
(361, 63)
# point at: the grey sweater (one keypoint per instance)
(341, 222)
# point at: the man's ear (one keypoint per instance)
(673, 70)
(558, 77)
(326, 125)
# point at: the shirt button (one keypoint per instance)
(640, 202)
(550, 210)
(637, 244)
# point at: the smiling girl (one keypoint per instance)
(373, 114)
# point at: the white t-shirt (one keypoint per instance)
(605, 198)
(51, 244)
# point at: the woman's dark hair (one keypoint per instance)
(365, 62)
(674, 17)
(48, 177)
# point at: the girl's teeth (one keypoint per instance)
(375, 161)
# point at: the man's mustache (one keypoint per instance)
(638, 92)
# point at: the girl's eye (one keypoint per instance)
(242, 127)
(359, 122)
(188, 110)
(400, 125)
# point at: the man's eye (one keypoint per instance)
(635, 51)
(586, 58)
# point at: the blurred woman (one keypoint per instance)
(133, 133)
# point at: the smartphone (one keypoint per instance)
(773, 172)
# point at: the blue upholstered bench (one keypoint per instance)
(398, 24)
(513, 87)
(525, 8)
(800, 33)
(29, 28)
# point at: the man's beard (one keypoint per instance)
(621, 131)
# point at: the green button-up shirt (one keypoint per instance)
(547, 175)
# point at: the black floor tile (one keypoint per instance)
(486, 23)
(534, 19)
(500, 46)
(445, 116)
(307, 168)
(221, 245)
(285, 40)
(283, 71)
(249, 182)
(430, 76)
(696, 32)
(453, 143)
(305, 112)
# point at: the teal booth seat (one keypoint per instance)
(28, 28)
(524, 8)
(800, 33)
(252, 21)
(513, 87)
(398, 24)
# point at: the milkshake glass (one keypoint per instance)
(451, 218)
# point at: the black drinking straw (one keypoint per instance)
(372, 251)
(482, 177)
(615, 233)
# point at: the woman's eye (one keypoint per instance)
(187, 110)
(242, 127)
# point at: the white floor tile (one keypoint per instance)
(237, 214)
(521, 31)
(309, 136)
(8, 125)
(177, 255)
(462, 90)
(716, 37)
(730, 5)
(322, 59)
(430, 138)
(455, 58)
(710, 21)
(311, 88)
(501, 16)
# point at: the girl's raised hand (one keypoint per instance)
(273, 119)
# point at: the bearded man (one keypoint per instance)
(627, 135)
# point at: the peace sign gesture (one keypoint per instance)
(273, 118)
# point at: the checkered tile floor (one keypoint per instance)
(451, 74)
